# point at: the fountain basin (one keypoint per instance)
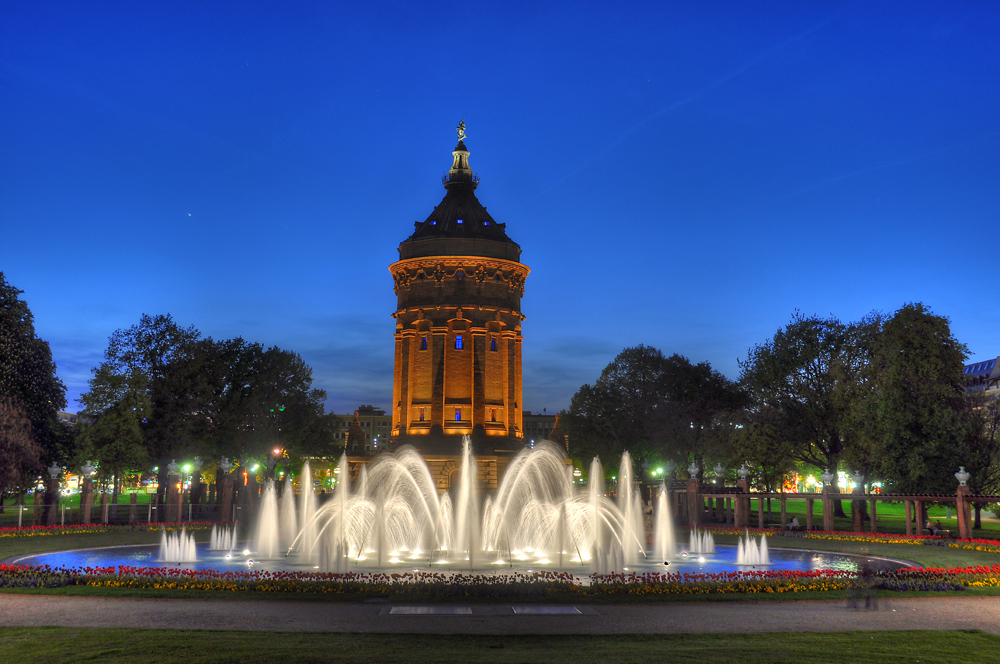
(723, 560)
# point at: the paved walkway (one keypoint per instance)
(803, 616)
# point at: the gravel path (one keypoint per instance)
(901, 614)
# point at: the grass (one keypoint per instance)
(61, 644)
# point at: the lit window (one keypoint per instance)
(421, 414)
(423, 343)
(459, 220)
(493, 343)
(486, 223)
(434, 223)
(458, 342)
(493, 414)
(458, 414)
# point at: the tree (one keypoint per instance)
(698, 411)
(130, 384)
(651, 405)
(258, 399)
(28, 375)
(115, 441)
(913, 415)
(802, 382)
(20, 455)
(983, 449)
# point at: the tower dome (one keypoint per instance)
(458, 284)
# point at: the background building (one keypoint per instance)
(983, 377)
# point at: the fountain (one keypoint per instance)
(391, 517)
(177, 548)
(701, 541)
(223, 539)
(750, 552)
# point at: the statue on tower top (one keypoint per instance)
(461, 131)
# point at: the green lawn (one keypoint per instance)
(55, 645)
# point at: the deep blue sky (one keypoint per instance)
(683, 175)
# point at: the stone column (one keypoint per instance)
(104, 507)
(133, 508)
(857, 515)
(784, 514)
(154, 507)
(962, 506)
(729, 512)
(760, 511)
(809, 513)
(872, 515)
(908, 507)
(694, 503)
(827, 508)
(918, 515)
(173, 504)
(86, 500)
(742, 504)
(51, 501)
(225, 501)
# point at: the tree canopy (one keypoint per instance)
(28, 374)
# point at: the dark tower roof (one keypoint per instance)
(460, 225)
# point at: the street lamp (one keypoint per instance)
(827, 478)
(54, 470)
(87, 469)
(226, 465)
(693, 470)
(744, 471)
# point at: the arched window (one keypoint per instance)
(423, 343)
(493, 343)
(458, 342)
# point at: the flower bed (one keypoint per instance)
(541, 585)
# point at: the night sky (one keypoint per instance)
(683, 175)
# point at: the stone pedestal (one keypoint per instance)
(51, 508)
(173, 511)
(962, 508)
(86, 500)
(225, 484)
(694, 503)
(742, 516)
(827, 508)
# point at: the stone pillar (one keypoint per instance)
(857, 515)
(86, 500)
(173, 504)
(809, 513)
(873, 526)
(918, 516)
(694, 503)
(104, 507)
(964, 515)
(784, 514)
(154, 508)
(51, 501)
(760, 511)
(133, 508)
(720, 509)
(742, 504)
(729, 512)
(827, 508)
